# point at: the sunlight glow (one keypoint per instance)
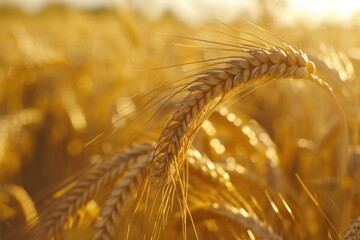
(286, 12)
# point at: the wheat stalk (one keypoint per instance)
(239, 216)
(255, 133)
(220, 179)
(210, 172)
(259, 65)
(258, 139)
(103, 174)
(216, 176)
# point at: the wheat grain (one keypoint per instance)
(101, 175)
(114, 208)
(258, 66)
(353, 232)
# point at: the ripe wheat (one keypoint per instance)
(103, 174)
(260, 65)
(353, 232)
(244, 179)
(108, 224)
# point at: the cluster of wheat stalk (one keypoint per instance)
(253, 140)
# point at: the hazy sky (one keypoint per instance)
(287, 12)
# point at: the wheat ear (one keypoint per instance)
(103, 174)
(112, 211)
(114, 207)
(353, 232)
(258, 65)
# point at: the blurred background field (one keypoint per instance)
(69, 74)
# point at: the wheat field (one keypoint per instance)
(113, 126)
